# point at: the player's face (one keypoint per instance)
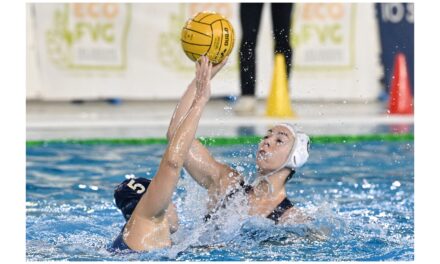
(274, 149)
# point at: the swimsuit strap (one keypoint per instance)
(285, 205)
(247, 188)
(280, 209)
(222, 203)
(275, 215)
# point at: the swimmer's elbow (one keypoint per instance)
(172, 160)
(172, 164)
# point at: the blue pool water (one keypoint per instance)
(361, 196)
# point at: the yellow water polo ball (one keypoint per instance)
(208, 33)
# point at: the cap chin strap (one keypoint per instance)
(266, 176)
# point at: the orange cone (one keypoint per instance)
(401, 100)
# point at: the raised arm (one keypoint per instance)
(200, 164)
(187, 99)
(160, 191)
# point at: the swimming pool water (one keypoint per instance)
(361, 196)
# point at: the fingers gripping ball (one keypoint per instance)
(208, 33)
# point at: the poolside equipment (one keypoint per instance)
(278, 103)
(401, 100)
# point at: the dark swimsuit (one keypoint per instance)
(274, 216)
(119, 243)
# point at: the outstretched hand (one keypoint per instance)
(203, 78)
(217, 67)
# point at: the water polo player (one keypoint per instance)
(146, 205)
(280, 153)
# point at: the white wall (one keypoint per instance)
(142, 57)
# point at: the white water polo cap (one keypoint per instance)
(300, 151)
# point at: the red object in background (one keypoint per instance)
(401, 100)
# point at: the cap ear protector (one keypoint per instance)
(300, 150)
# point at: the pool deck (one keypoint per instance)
(150, 119)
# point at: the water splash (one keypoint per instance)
(67, 220)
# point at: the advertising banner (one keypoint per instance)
(88, 51)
